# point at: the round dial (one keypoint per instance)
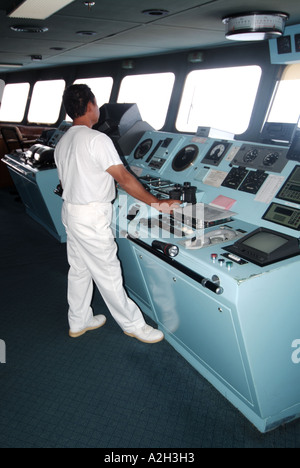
(270, 159)
(250, 156)
(143, 149)
(217, 151)
(185, 158)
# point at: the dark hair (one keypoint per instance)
(76, 99)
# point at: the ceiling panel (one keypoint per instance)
(210, 14)
(123, 31)
(66, 29)
(167, 38)
(129, 10)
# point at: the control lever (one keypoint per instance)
(212, 286)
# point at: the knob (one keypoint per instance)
(214, 257)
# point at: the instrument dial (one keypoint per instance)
(143, 149)
(217, 151)
(251, 156)
(185, 158)
(270, 159)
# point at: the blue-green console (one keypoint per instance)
(234, 315)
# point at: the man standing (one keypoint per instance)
(88, 166)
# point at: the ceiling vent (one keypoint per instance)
(155, 12)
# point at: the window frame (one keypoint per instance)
(42, 121)
(290, 73)
(217, 70)
(88, 82)
(144, 114)
(24, 102)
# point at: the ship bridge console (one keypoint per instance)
(220, 275)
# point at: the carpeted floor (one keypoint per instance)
(104, 389)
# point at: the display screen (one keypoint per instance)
(290, 191)
(283, 215)
(265, 242)
(264, 247)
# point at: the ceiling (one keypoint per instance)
(121, 30)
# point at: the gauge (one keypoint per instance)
(270, 159)
(143, 149)
(253, 182)
(185, 158)
(216, 153)
(251, 156)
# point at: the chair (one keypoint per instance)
(11, 136)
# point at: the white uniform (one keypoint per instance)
(82, 157)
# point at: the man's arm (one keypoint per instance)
(134, 188)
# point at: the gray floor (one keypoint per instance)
(104, 389)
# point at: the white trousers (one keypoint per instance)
(92, 256)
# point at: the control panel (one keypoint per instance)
(220, 274)
(245, 177)
(226, 189)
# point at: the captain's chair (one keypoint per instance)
(13, 137)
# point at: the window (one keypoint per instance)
(220, 98)
(101, 87)
(286, 103)
(14, 102)
(46, 101)
(2, 86)
(152, 94)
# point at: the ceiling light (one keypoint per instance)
(90, 4)
(255, 26)
(38, 9)
(11, 65)
(28, 29)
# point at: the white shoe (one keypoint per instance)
(147, 334)
(96, 322)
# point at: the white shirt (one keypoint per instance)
(82, 158)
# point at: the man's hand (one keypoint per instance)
(134, 188)
(166, 206)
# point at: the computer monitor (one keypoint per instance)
(265, 246)
(278, 133)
